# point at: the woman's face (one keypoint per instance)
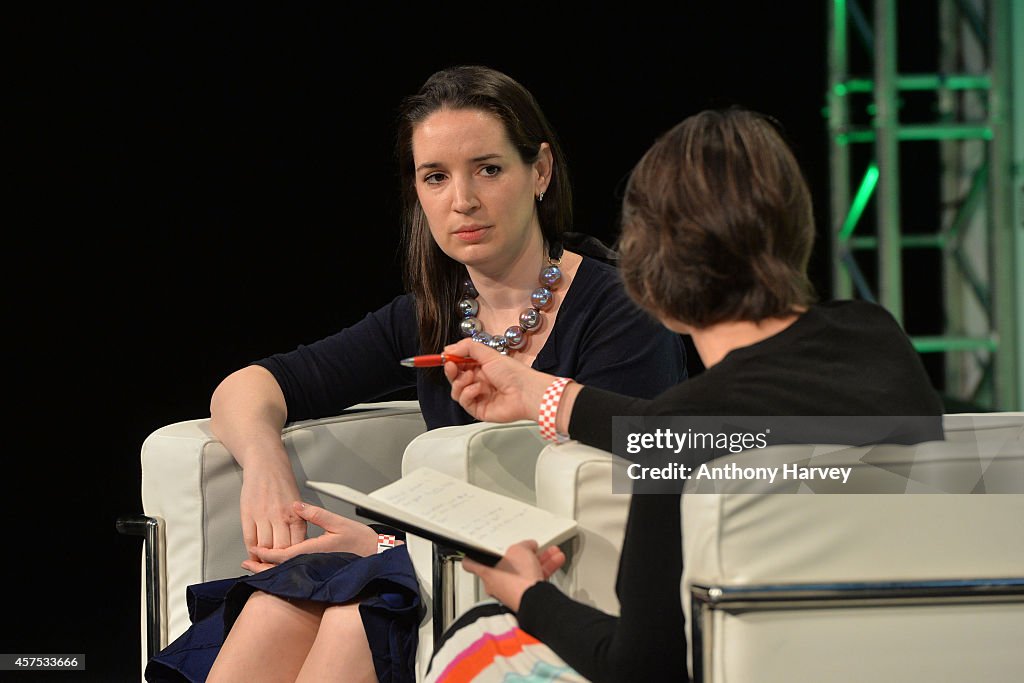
(476, 192)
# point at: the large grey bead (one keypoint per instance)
(482, 337)
(515, 336)
(529, 319)
(498, 343)
(541, 298)
(550, 276)
(469, 307)
(470, 326)
(468, 289)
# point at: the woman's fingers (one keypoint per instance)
(256, 566)
(453, 370)
(551, 560)
(264, 534)
(470, 395)
(250, 536)
(473, 567)
(282, 535)
(464, 379)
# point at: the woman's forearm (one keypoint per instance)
(247, 414)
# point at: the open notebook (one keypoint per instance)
(454, 514)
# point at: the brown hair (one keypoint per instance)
(431, 275)
(717, 222)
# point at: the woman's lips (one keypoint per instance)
(471, 235)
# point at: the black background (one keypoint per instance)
(194, 188)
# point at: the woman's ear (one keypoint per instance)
(544, 166)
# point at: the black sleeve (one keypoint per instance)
(354, 365)
(592, 413)
(647, 642)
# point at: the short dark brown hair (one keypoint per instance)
(717, 222)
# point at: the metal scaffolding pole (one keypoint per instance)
(839, 151)
(887, 154)
(1006, 195)
(979, 232)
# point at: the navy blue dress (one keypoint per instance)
(600, 338)
(389, 604)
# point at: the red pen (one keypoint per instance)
(433, 360)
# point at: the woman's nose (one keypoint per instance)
(465, 198)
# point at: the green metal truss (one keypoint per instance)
(978, 126)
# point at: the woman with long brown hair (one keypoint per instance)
(489, 256)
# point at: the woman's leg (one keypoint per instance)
(341, 653)
(268, 642)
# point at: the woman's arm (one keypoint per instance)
(250, 407)
(647, 642)
(247, 414)
(500, 389)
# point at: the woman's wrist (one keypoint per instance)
(516, 596)
(378, 538)
(386, 542)
(533, 392)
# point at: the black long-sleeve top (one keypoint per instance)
(842, 358)
(599, 337)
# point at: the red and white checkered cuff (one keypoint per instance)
(385, 542)
(549, 410)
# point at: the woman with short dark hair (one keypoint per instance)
(728, 189)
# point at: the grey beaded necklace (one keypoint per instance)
(515, 337)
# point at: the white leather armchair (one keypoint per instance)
(191, 487)
(923, 583)
(573, 480)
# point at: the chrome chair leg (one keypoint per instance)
(151, 530)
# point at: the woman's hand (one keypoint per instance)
(499, 389)
(341, 534)
(521, 567)
(247, 414)
(268, 518)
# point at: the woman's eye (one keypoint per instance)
(433, 178)
(491, 170)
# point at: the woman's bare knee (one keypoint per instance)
(341, 652)
(269, 641)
